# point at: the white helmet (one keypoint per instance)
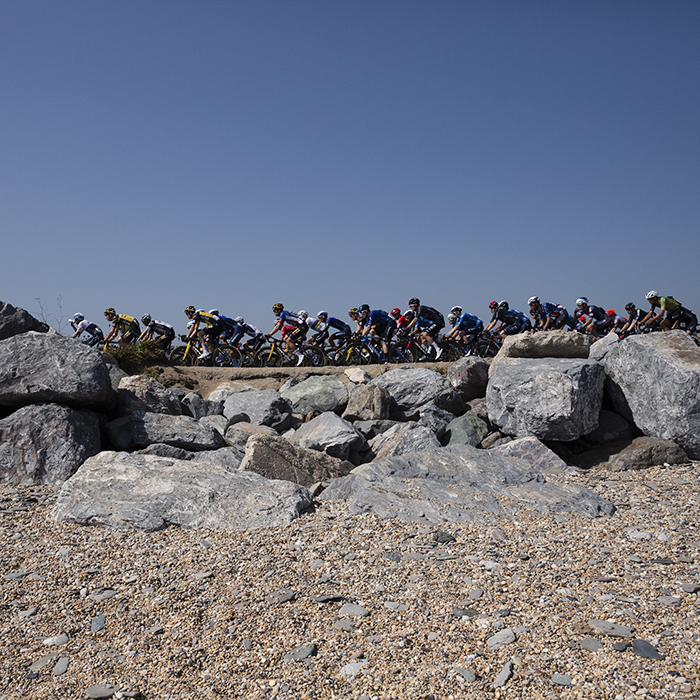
(581, 300)
(190, 323)
(239, 319)
(651, 294)
(303, 314)
(533, 300)
(322, 313)
(451, 318)
(78, 317)
(456, 310)
(214, 312)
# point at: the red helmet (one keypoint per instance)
(396, 312)
(493, 305)
(611, 312)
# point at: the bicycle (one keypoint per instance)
(276, 355)
(487, 345)
(350, 353)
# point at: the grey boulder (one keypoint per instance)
(435, 418)
(178, 431)
(550, 399)
(126, 491)
(317, 395)
(467, 429)
(331, 434)
(403, 438)
(370, 428)
(197, 407)
(38, 367)
(469, 376)
(535, 453)
(239, 433)
(142, 393)
(603, 346)
(276, 458)
(46, 443)
(545, 344)
(457, 484)
(263, 406)
(367, 402)
(654, 381)
(14, 320)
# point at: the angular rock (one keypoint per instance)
(14, 320)
(456, 484)
(317, 395)
(412, 387)
(506, 672)
(434, 418)
(642, 648)
(178, 431)
(198, 408)
(468, 429)
(38, 367)
(158, 449)
(562, 344)
(116, 374)
(357, 375)
(121, 490)
(610, 628)
(46, 443)
(228, 458)
(142, 393)
(469, 376)
(402, 439)
(550, 399)
(537, 455)
(370, 428)
(264, 406)
(367, 402)
(331, 434)
(654, 381)
(645, 452)
(277, 458)
(602, 346)
(120, 433)
(219, 423)
(500, 639)
(239, 433)
(480, 407)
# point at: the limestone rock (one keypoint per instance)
(550, 399)
(122, 490)
(178, 431)
(469, 376)
(14, 320)
(367, 402)
(536, 454)
(142, 393)
(370, 428)
(46, 443)
(263, 406)
(317, 394)
(331, 434)
(357, 375)
(467, 429)
(603, 346)
(239, 433)
(435, 418)
(644, 452)
(403, 438)
(545, 344)
(197, 407)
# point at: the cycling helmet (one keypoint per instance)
(611, 312)
(353, 311)
(110, 312)
(493, 305)
(651, 295)
(190, 310)
(78, 317)
(364, 307)
(456, 310)
(408, 314)
(503, 304)
(146, 319)
(414, 301)
(239, 319)
(321, 313)
(582, 300)
(395, 312)
(630, 306)
(278, 307)
(451, 318)
(214, 312)
(533, 300)
(302, 314)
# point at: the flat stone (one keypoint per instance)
(61, 666)
(98, 623)
(642, 648)
(300, 653)
(102, 690)
(610, 628)
(561, 679)
(353, 610)
(690, 587)
(466, 674)
(500, 639)
(591, 644)
(504, 676)
(670, 600)
(352, 669)
(57, 641)
(43, 661)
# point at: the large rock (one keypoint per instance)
(239, 433)
(41, 367)
(545, 344)
(412, 387)
(142, 393)
(403, 438)
(197, 407)
(367, 402)
(469, 376)
(623, 455)
(467, 429)
(178, 431)
(370, 428)
(437, 419)
(14, 321)
(550, 399)
(654, 381)
(277, 458)
(263, 406)
(331, 434)
(457, 484)
(122, 490)
(603, 346)
(46, 443)
(536, 454)
(317, 395)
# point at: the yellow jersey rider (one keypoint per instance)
(128, 326)
(209, 334)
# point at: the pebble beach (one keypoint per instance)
(338, 605)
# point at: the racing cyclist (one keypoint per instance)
(430, 331)
(209, 334)
(676, 313)
(511, 321)
(322, 327)
(256, 335)
(593, 319)
(466, 329)
(94, 332)
(377, 324)
(163, 333)
(128, 326)
(548, 316)
(294, 337)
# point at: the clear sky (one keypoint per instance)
(234, 154)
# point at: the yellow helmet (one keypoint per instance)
(353, 311)
(190, 310)
(110, 312)
(278, 307)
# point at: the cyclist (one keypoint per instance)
(511, 321)
(209, 334)
(296, 332)
(128, 326)
(676, 313)
(324, 323)
(377, 324)
(229, 327)
(635, 317)
(593, 319)
(162, 333)
(466, 329)
(548, 316)
(435, 323)
(94, 332)
(493, 307)
(257, 337)
(354, 314)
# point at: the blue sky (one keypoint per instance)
(327, 154)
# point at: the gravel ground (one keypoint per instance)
(379, 608)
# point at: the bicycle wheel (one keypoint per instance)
(248, 358)
(228, 356)
(451, 352)
(269, 357)
(486, 348)
(313, 356)
(180, 359)
(401, 352)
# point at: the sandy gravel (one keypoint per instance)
(203, 614)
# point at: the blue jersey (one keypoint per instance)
(339, 325)
(469, 323)
(291, 319)
(379, 319)
(552, 310)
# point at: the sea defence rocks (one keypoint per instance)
(317, 395)
(121, 490)
(403, 438)
(46, 443)
(263, 406)
(535, 453)
(14, 320)
(331, 434)
(456, 484)
(467, 429)
(39, 367)
(547, 344)
(469, 377)
(277, 458)
(367, 402)
(141, 393)
(550, 399)
(654, 381)
(178, 431)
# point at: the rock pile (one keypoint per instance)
(476, 445)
